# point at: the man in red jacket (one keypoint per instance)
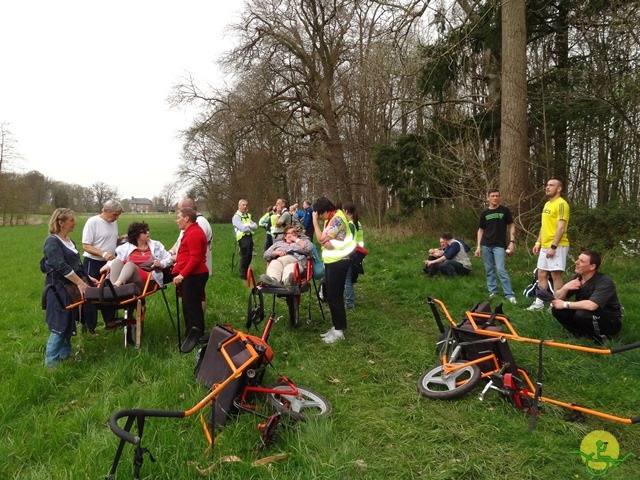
(191, 275)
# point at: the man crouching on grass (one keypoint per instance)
(596, 311)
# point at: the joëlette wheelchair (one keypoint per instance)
(302, 283)
(232, 365)
(476, 348)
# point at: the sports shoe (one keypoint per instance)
(536, 307)
(334, 337)
(328, 332)
(512, 300)
(492, 295)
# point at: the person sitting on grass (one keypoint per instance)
(137, 257)
(283, 256)
(596, 311)
(454, 260)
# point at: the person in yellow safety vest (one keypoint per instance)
(351, 213)
(266, 223)
(337, 242)
(244, 227)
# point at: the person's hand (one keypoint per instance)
(550, 252)
(82, 287)
(178, 279)
(478, 253)
(536, 249)
(105, 269)
(574, 284)
(108, 256)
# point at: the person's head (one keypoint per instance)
(350, 209)
(293, 208)
(446, 238)
(135, 230)
(111, 210)
(62, 220)
(280, 205)
(588, 263)
(554, 187)
(187, 202)
(186, 216)
(493, 197)
(290, 234)
(306, 204)
(243, 206)
(323, 205)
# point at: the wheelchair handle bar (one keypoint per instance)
(139, 414)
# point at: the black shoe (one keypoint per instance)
(191, 340)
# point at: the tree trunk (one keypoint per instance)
(513, 134)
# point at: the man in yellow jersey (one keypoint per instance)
(552, 245)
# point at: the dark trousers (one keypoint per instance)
(268, 241)
(451, 268)
(246, 254)
(309, 233)
(335, 274)
(585, 323)
(192, 296)
(90, 310)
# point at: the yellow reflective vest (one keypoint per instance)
(246, 218)
(341, 248)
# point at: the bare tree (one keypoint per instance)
(103, 192)
(168, 195)
(8, 150)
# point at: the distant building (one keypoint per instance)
(140, 205)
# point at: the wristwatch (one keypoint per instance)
(553, 247)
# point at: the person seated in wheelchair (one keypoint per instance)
(137, 258)
(283, 255)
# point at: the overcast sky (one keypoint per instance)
(83, 84)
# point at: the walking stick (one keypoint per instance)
(178, 317)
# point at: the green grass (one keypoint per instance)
(54, 422)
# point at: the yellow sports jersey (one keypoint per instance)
(553, 211)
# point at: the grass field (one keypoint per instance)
(54, 422)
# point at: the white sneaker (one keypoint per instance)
(513, 300)
(492, 295)
(536, 307)
(328, 332)
(334, 337)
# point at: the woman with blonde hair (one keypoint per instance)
(65, 284)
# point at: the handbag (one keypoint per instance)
(318, 265)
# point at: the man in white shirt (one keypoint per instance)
(99, 242)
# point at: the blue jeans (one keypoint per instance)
(58, 348)
(349, 294)
(494, 259)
